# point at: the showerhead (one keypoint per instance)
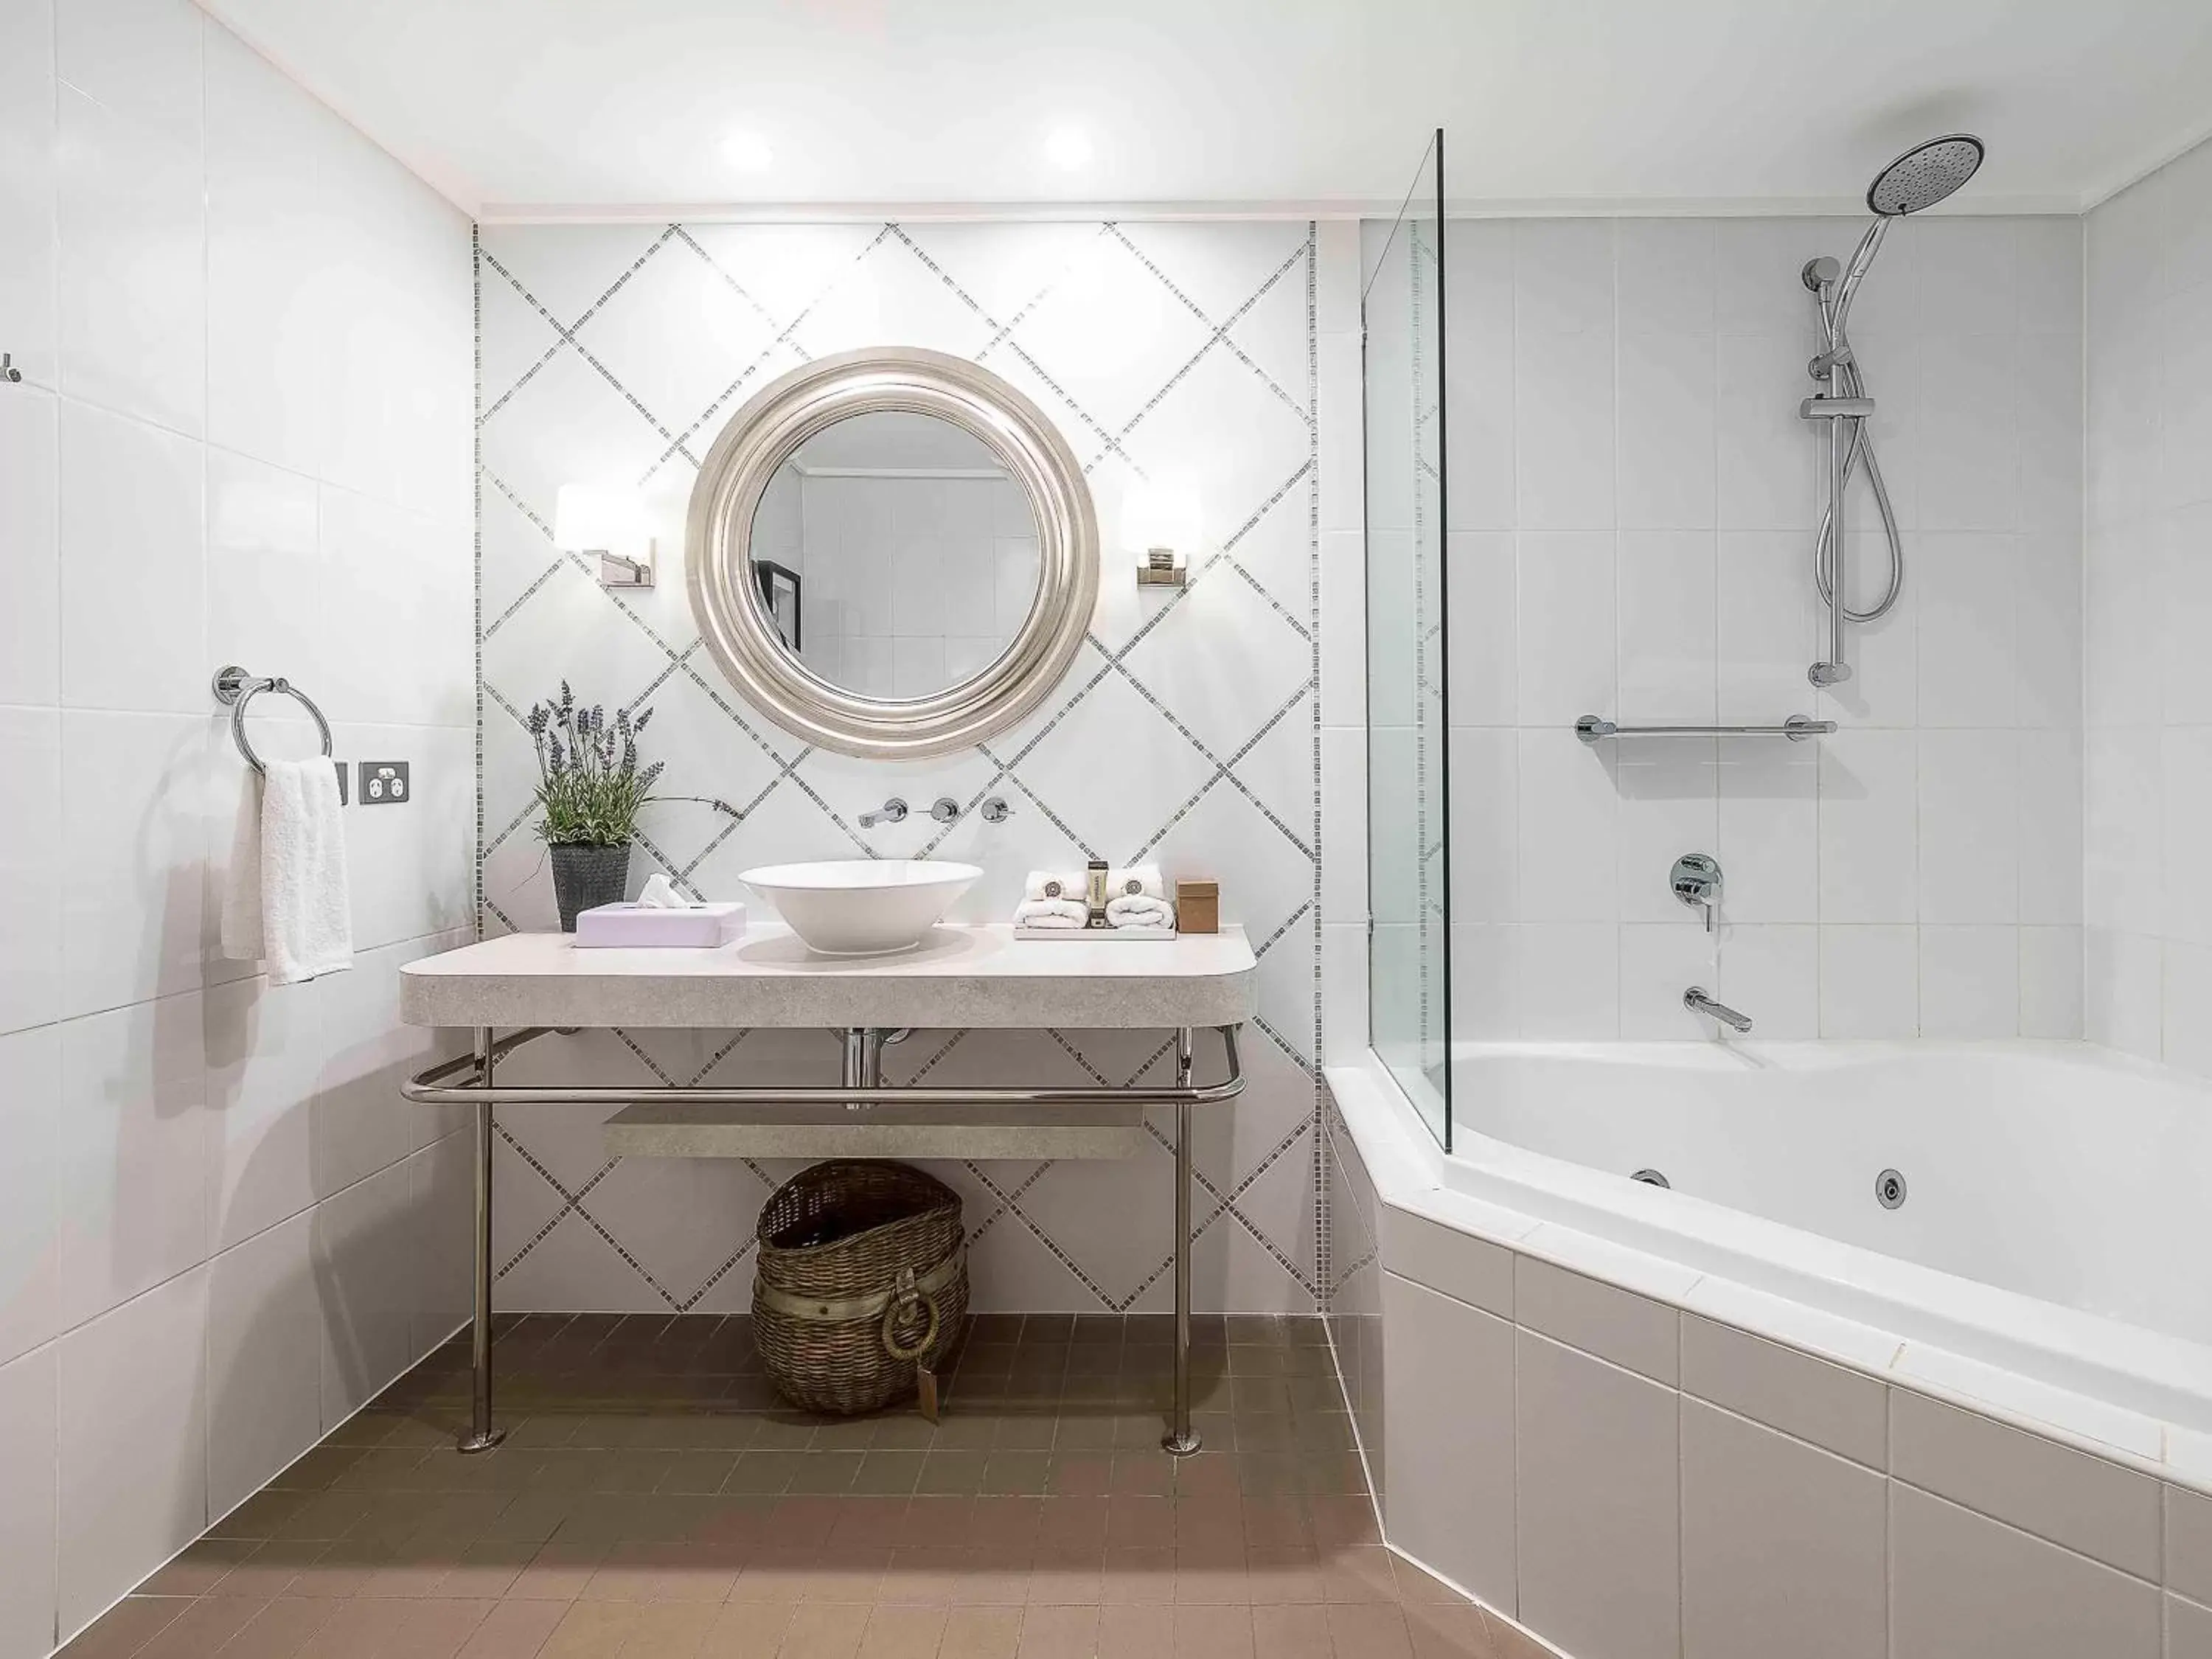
(1924, 175)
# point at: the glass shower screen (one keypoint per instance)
(1408, 901)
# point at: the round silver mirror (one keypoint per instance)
(892, 553)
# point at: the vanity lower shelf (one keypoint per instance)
(648, 1129)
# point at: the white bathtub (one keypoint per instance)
(2056, 1225)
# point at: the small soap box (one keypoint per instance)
(654, 925)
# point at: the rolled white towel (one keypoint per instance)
(1138, 880)
(1139, 910)
(1050, 913)
(1070, 885)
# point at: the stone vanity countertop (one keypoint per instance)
(979, 976)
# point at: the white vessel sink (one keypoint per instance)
(862, 907)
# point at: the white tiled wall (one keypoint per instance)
(242, 436)
(1185, 731)
(2149, 896)
(1632, 500)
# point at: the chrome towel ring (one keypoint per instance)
(235, 688)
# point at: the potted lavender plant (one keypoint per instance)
(590, 788)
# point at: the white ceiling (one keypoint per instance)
(525, 108)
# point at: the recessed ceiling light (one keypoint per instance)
(747, 151)
(1068, 147)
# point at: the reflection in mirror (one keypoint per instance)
(894, 554)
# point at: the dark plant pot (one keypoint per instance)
(584, 878)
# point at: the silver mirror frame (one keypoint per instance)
(737, 627)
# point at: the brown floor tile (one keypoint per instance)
(1368, 1632)
(1203, 1632)
(512, 1630)
(902, 1632)
(1294, 1633)
(1360, 1573)
(1138, 1578)
(1137, 1633)
(826, 1631)
(1058, 1632)
(202, 1628)
(1455, 1632)
(981, 1633)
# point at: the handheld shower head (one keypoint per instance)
(1924, 175)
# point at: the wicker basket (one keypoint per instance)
(863, 1276)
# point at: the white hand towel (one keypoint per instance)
(288, 902)
(1139, 910)
(1145, 878)
(1069, 884)
(1050, 913)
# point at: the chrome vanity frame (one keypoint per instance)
(468, 1080)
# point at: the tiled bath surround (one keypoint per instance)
(1632, 505)
(1631, 1481)
(241, 436)
(1186, 732)
(2148, 901)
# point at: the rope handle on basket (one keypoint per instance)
(882, 1304)
(904, 1301)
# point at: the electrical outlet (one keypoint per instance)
(383, 783)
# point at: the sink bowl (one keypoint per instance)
(862, 907)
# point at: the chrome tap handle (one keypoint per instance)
(891, 811)
(945, 810)
(995, 810)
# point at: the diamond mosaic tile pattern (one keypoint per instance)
(1185, 731)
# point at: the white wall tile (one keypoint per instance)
(2188, 1629)
(29, 1405)
(1969, 828)
(1485, 981)
(1783, 1545)
(1568, 980)
(2188, 1562)
(134, 832)
(1628, 1330)
(1772, 971)
(133, 1443)
(1965, 588)
(1665, 277)
(2084, 1503)
(132, 1184)
(1667, 413)
(1486, 825)
(1764, 460)
(1483, 642)
(1767, 835)
(1668, 617)
(134, 566)
(31, 1110)
(263, 566)
(1448, 1377)
(1564, 430)
(1964, 1587)
(264, 1357)
(2050, 982)
(264, 1045)
(1660, 960)
(27, 191)
(1869, 855)
(30, 914)
(1844, 1411)
(139, 58)
(365, 1245)
(1969, 981)
(30, 513)
(1564, 595)
(133, 292)
(1596, 1486)
(1870, 981)
(1568, 814)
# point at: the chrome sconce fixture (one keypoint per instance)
(609, 525)
(1161, 566)
(1161, 518)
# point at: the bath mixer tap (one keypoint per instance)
(891, 811)
(1698, 1002)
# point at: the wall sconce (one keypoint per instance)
(610, 523)
(1162, 518)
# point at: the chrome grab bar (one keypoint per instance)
(1595, 728)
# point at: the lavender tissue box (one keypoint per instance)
(646, 927)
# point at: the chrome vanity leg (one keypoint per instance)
(481, 1437)
(1180, 1440)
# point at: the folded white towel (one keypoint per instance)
(1139, 910)
(1050, 913)
(288, 904)
(1145, 878)
(1069, 883)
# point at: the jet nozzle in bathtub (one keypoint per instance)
(1698, 1002)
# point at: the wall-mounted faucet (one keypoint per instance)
(945, 810)
(995, 810)
(1698, 1002)
(1696, 879)
(891, 811)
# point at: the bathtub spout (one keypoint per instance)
(1698, 1002)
